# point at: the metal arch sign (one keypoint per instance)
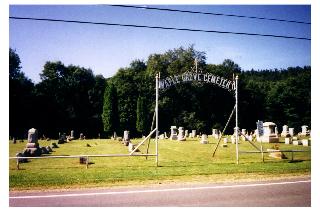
(199, 77)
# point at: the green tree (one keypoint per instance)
(142, 116)
(66, 96)
(110, 116)
(21, 98)
(96, 95)
(73, 98)
(130, 82)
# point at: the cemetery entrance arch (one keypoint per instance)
(229, 85)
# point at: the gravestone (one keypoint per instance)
(72, 135)
(161, 136)
(181, 134)
(173, 133)
(305, 131)
(32, 138)
(131, 147)
(204, 139)
(297, 142)
(306, 142)
(193, 133)
(83, 160)
(244, 134)
(114, 136)
(82, 137)
(62, 139)
(44, 150)
(32, 147)
(287, 140)
(165, 135)
(49, 148)
(256, 133)
(33, 135)
(276, 131)
(126, 135)
(285, 132)
(14, 141)
(215, 133)
(126, 138)
(274, 153)
(32, 152)
(186, 134)
(291, 132)
(269, 135)
(54, 145)
(225, 140)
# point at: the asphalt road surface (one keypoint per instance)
(292, 192)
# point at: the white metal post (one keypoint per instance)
(237, 128)
(157, 128)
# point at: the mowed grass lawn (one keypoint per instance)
(187, 161)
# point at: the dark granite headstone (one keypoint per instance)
(33, 136)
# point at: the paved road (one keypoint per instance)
(293, 192)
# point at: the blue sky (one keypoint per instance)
(105, 49)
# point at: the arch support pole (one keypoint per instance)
(237, 128)
(157, 118)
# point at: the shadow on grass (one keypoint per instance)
(295, 161)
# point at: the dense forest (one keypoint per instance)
(73, 98)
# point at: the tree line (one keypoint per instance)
(73, 98)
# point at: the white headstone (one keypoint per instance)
(186, 133)
(131, 147)
(297, 142)
(304, 131)
(291, 132)
(287, 140)
(173, 135)
(165, 135)
(215, 133)
(285, 132)
(204, 139)
(306, 142)
(126, 135)
(193, 133)
(181, 134)
(269, 135)
(225, 140)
